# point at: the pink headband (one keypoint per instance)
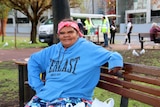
(68, 23)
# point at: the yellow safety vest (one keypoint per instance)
(105, 27)
(88, 26)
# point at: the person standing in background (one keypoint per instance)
(88, 27)
(128, 32)
(80, 25)
(113, 31)
(105, 29)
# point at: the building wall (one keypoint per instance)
(120, 10)
(137, 28)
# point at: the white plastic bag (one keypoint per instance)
(109, 36)
(107, 103)
(81, 104)
(126, 36)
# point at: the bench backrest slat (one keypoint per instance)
(144, 34)
(147, 79)
(142, 69)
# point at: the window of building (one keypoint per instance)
(22, 20)
(10, 21)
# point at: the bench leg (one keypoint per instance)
(21, 84)
(124, 102)
(141, 45)
(141, 42)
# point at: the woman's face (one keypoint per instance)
(68, 36)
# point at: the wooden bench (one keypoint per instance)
(145, 37)
(134, 81)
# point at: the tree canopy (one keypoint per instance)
(4, 11)
(34, 9)
(31, 8)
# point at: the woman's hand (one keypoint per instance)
(115, 69)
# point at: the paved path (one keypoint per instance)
(13, 54)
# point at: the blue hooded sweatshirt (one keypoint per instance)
(71, 72)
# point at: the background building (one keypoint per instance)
(141, 12)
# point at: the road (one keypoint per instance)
(119, 37)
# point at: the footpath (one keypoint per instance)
(14, 54)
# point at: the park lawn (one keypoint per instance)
(8, 84)
(20, 42)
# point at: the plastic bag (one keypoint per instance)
(81, 104)
(126, 36)
(109, 36)
(107, 103)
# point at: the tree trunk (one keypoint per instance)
(61, 10)
(33, 35)
(3, 27)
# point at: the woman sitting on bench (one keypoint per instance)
(155, 33)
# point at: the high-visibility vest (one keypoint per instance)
(88, 26)
(105, 26)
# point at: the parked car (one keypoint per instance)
(46, 32)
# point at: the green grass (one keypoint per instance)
(8, 81)
(19, 42)
(150, 58)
